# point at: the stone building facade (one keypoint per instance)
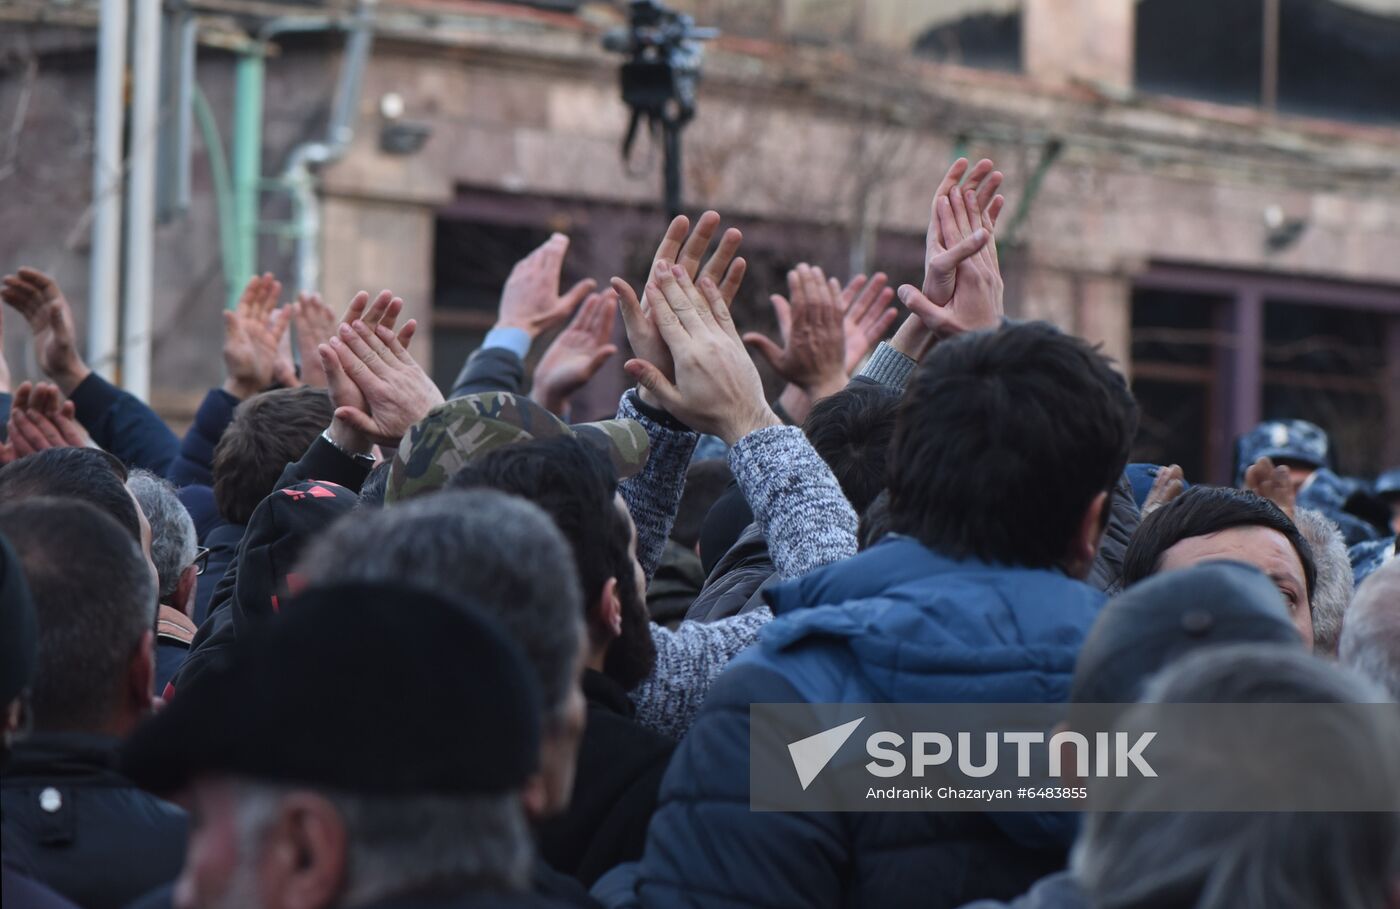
(1238, 262)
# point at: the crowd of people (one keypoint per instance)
(354, 641)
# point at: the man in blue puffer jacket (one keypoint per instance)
(1006, 452)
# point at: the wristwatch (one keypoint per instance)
(361, 459)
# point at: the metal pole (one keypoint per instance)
(247, 166)
(141, 197)
(1268, 75)
(105, 264)
(177, 113)
(672, 136)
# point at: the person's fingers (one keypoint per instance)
(336, 379)
(349, 342)
(854, 290)
(974, 217)
(391, 313)
(651, 378)
(600, 356)
(667, 323)
(393, 350)
(948, 224)
(41, 401)
(277, 324)
(875, 330)
(718, 264)
(988, 190)
(938, 319)
(356, 309)
(698, 241)
(952, 178)
(871, 291)
(674, 239)
(733, 278)
(993, 213)
(47, 430)
(24, 434)
(377, 309)
(692, 293)
(719, 309)
(782, 312)
(569, 301)
(605, 315)
(960, 213)
(22, 395)
(628, 304)
(370, 335)
(883, 304)
(677, 299)
(405, 336)
(764, 345)
(948, 261)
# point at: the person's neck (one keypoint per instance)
(597, 657)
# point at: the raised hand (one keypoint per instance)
(869, 308)
(394, 390)
(1168, 483)
(313, 323)
(1272, 482)
(716, 388)
(962, 282)
(813, 355)
(577, 353)
(684, 248)
(252, 333)
(40, 300)
(40, 418)
(531, 300)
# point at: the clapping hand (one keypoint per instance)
(40, 300)
(40, 418)
(253, 331)
(813, 355)
(577, 354)
(1274, 483)
(869, 307)
(531, 300)
(715, 387)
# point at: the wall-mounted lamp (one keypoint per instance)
(396, 135)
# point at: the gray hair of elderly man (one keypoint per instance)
(1371, 636)
(1262, 860)
(172, 529)
(1333, 589)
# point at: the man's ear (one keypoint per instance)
(305, 860)
(141, 675)
(185, 591)
(607, 612)
(1084, 547)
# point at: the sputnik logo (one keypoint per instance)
(812, 754)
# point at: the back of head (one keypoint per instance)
(1370, 641)
(1251, 860)
(1003, 440)
(852, 430)
(94, 598)
(1335, 582)
(705, 481)
(268, 432)
(1170, 616)
(1204, 510)
(86, 474)
(503, 552)
(172, 528)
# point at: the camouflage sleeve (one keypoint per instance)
(654, 494)
(688, 660)
(795, 498)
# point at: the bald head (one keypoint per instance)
(1371, 634)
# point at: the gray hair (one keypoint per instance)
(1332, 590)
(1265, 860)
(172, 528)
(1371, 636)
(502, 550)
(404, 845)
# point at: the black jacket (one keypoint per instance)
(619, 770)
(1123, 520)
(733, 585)
(85, 830)
(675, 585)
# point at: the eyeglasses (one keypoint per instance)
(201, 559)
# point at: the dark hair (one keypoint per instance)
(87, 474)
(705, 481)
(1203, 510)
(1002, 441)
(575, 485)
(874, 521)
(376, 483)
(92, 609)
(268, 432)
(852, 430)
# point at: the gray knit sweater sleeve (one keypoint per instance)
(888, 366)
(654, 495)
(688, 660)
(795, 499)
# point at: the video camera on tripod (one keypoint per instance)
(660, 78)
